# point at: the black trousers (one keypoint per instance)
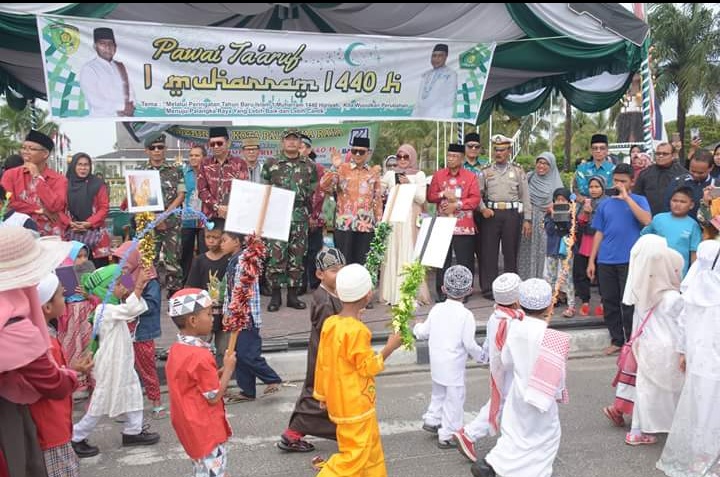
(251, 365)
(505, 226)
(618, 317)
(189, 237)
(354, 245)
(477, 216)
(580, 278)
(464, 248)
(315, 244)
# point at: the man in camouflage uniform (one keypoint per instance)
(295, 172)
(168, 232)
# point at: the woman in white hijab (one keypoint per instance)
(693, 446)
(653, 288)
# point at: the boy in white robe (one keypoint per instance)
(117, 389)
(450, 329)
(506, 292)
(530, 430)
(693, 446)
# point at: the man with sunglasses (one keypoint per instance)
(474, 164)
(217, 172)
(292, 171)
(359, 200)
(506, 211)
(653, 182)
(168, 232)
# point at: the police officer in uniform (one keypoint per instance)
(506, 211)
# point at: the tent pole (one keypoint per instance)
(490, 137)
(437, 145)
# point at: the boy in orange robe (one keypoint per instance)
(345, 379)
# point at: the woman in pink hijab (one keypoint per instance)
(404, 234)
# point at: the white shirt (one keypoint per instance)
(450, 329)
(436, 97)
(103, 87)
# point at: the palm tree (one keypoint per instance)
(687, 51)
(14, 126)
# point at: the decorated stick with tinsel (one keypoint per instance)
(5, 206)
(146, 245)
(378, 245)
(143, 232)
(244, 289)
(404, 311)
(566, 264)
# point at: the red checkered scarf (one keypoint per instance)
(548, 374)
(504, 314)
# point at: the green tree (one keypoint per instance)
(709, 129)
(14, 126)
(686, 41)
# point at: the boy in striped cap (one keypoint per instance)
(197, 411)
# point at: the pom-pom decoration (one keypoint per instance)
(244, 289)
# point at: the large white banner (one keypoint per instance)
(103, 69)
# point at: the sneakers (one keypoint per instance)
(145, 438)
(599, 311)
(448, 444)
(482, 469)
(83, 449)
(614, 415)
(639, 439)
(585, 309)
(464, 445)
(430, 428)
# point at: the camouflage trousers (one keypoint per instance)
(285, 259)
(169, 241)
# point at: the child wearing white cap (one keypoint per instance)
(450, 331)
(506, 291)
(345, 379)
(530, 429)
(53, 417)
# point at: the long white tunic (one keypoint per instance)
(117, 389)
(694, 439)
(436, 98)
(529, 438)
(503, 374)
(401, 244)
(450, 330)
(103, 87)
(659, 379)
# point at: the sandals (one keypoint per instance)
(295, 445)
(639, 439)
(569, 312)
(318, 463)
(238, 398)
(159, 412)
(271, 389)
(614, 415)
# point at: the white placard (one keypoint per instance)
(246, 199)
(144, 191)
(402, 207)
(440, 238)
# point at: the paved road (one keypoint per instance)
(590, 446)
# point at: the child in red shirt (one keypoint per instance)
(197, 411)
(53, 417)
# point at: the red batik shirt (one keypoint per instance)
(214, 181)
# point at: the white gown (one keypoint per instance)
(401, 244)
(694, 439)
(529, 439)
(659, 379)
(436, 97)
(117, 388)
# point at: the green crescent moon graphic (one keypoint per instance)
(348, 53)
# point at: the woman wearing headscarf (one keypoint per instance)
(640, 162)
(542, 182)
(404, 234)
(147, 327)
(692, 448)
(88, 207)
(27, 373)
(653, 288)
